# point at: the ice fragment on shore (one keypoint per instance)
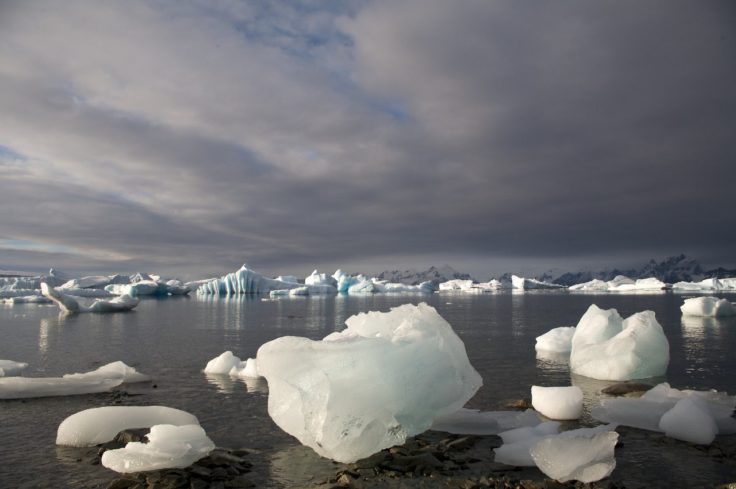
(558, 402)
(518, 442)
(576, 457)
(689, 420)
(168, 447)
(708, 307)
(387, 376)
(606, 347)
(99, 425)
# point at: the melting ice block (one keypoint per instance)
(606, 347)
(23, 387)
(99, 425)
(576, 456)
(558, 402)
(556, 340)
(691, 421)
(114, 370)
(387, 376)
(168, 447)
(708, 307)
(9, 368)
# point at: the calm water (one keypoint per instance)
(172, 340)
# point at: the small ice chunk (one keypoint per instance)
(558, 402)
(387, 376)
(9, 368)
(708, 307)
(168, 447)
(606, 347)
(518, 442)
(690, 421)
(250, 370)
(223, 364)
(473, 422)
(114, 370)
(99, 425)
(556, 340)
(23, 387)
(576, 457)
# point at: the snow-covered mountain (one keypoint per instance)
(679, 268)
(413, 277)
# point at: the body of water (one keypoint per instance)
(172, 339)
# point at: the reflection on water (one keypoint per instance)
(226, 384)
(553, 360)
(592, 390)
(297, 465)
(256, 385)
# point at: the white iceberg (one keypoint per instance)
(618, 281)
(229, 364)
(456, 284)
(28, 299)
(593, 285)
(100, 425)
(114, 370)
(560, 403)
(23, 387)
(168, 447)
(317, 278)
(522, 283)
(690, 420)
(244, 281)
(642, 284)
(70, 305)
(91, 282)
(648, 411)
(396, 288)
(9, 368)
(556, 340)
(343, 280)
(708, 307)
(518, 442)
(387, 376)
(578, 456)
(606, 347)
(474, 422)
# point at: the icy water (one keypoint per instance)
(172, 340)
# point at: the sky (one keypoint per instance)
(188, 137)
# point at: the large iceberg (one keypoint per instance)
(708, 307)
(531, 283)
(607, 347)
(9, 368)
(387, 376)
(244, 281)
(70, 305)
(99, 425)
(663, 408)
(168, 447)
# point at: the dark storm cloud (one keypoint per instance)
(289, 135)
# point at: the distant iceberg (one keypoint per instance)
(244, 281)
(459, 285)
(708, 307)
(69, 304)
(9, 368)
(522, 283)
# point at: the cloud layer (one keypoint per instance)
(192, 136)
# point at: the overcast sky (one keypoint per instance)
(188, 137)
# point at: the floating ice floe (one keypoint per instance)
(707, 285)
(100, 425)
(70, 305)
(468, 286)
(387, 376)
(593, 285)
(582, 456)
(557, 340)
(244, 281)
(560, 403)
(607, 347)
(683, 414)
(168, 447)
(149, 287)
(473, 422)
(229, 364)
(9, 368)
(456, 284)
(28, 299)
(25, 387)
(317, 278)
(708, 307)
(642, 284)
(114, 370)
(522, 283)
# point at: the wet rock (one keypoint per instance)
(626, 389)
(521, 404)
(123, 484)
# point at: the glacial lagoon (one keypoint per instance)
(172, 339)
